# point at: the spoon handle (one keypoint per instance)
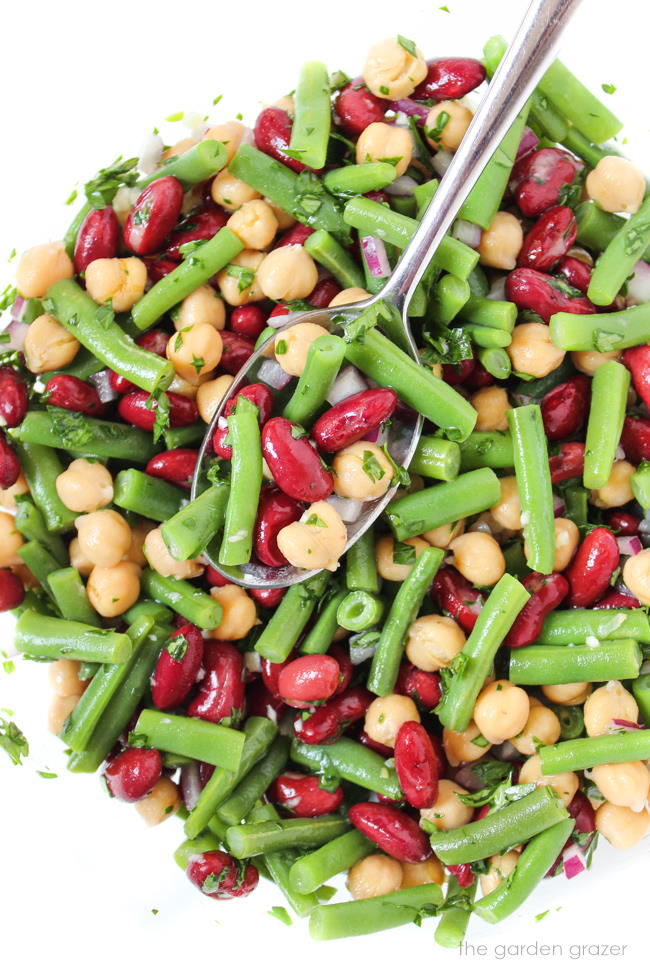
(513, 83)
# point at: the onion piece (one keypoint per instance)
(18, 307)
(559, 506)
(16, 331)
(102, 382)
(277, 321)
(348, 382)
(272, 373)
(497, 290)
(348, 509)
(621, 723)
(359, 654)
(629, 544)
(151, 153)
(410, 108)
(402, 186)
(638, 286)
(468, 233)
(442, 161)
(619, 453)
(529, 141)
(573, 861)
(374, 251)
(190, 784)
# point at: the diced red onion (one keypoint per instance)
(277, 321)
(638, 286)
(559, 506)
(620, 586)
(248, 137)
(151, 153)
(17, 307)
(359, 654)
(529, 141)
(468, 233)
(374, 251)
(102, 383)
(619, 453)
(190, 784)
(402, 186)
(441, 161)
(622, 723)
(497, 291)
(629, 544)
(271, 372)
(349, 509)
(506, 752)
(410, 108)
(573, 861)
(16, 331)
(348, 382)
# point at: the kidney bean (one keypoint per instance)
(356, 107)
(133, 773)
(635, 438)
(547, 592)
(177, 668)
(392, 830)
(375, 746)
(158, 268)
(422, 686)
(99, 236)
(133, 408)
(268, 598)
(568, 463)
(236, 350)
(12, 591)
(565, 408)
(258, 394)
(197, 226)
(153, 215)
(594, 563)
(297, 234)
(549, 239)
(463, 872)
(176, 466)
(260, 702)
(279, 310)
(71, 393)
(352, 418)
(9, 464)
(575, 272)
(248, 320)
(302, 795)
(271, 673)
(455, 374)
(214, 578)
(308, 680)
(617, 600)
(342, 657)
(14, 398)
(623, 522)
(539, 178)
(543, 294)
(324, 292)
(580, 809)
(637, 360)
(328, 722)
(296, 465)
(450, 78)
(457, 598)
(219, 875)
(416, 765)
(155, 340)
(273, 135)
(276, 511)
(221, 694)
(479, 377)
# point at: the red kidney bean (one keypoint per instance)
(276, 511)
(479, 377)
(71, 393)
(575, 272)
(279, 310)
(214, 578)
(595, 562)
(450, 78)
(565, 408)
(296, 465)
(635, 438)
(422, 686)
(9, 464)
(99, 236)
(568, 463)
(133, 408)
(153, 215)
(133, 773)
(158, 268)
(543, 294)
(14, 398)
(271, 673)
(356, 107)
(205, 773)
(197, 226)
(155, 340)
(12, 591)
(375, 746)
(176, 466)
(580, 809)
(328, 722)
(416, 765)
(637, 360)
(258, 394)
(297, 234)
(177, 668)
(268, 598)
(455, 374)
(539, 178)
(236, 350)
(309, 680)
(219, 875)
(302, 795)
(221, 694)
(463, 872)
(324, 292)
(392, 830)
(261, 703)
(457, 598)
(547, 592)
(623, 522)
(273, 135)
(617, 600)
(352, 418)
(549, 239)
(248, 320)
(342, 657)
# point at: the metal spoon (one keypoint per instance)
(512, 84)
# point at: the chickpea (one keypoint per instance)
(566, 784)
(10, 540)
(387, 566)
(374, 875)
(239, 612)
(291, 346)
(113, 589)
(501, 711)
(286, 103)
(118, 280)
(42, 266)
(588, 362)
(567, 538)
(184, 388)
(501, 865)
(60, 709)
(85, 485)
(531, 350)
(288, 273)
(64, 678)
(123, 202)
(139, 532)
(163, 801)
(255, 224)
(380, 141)
(446, 125)
(201, 306)
(48, 345)
(507, 511)
(285, 220)
(623, 783)
(606, 704)
(349, 296)
(433, 642)
(78, 560)
(569, 694)
(362, 471)
(104, 537)
(230, 133)
(501, 242)
(491, 404)
(210, 394)
(179, 147)
(195, 351)
(8, 496)
(448, 812)
(479, 558)
(620, 826)
(317, 541)
(542, 728)
(460, 746)
(616, 185)
(391, 71)
(230, 192)
(159, 559)
(636, 576)
(234, 285)
(386, 715)
(443, 536)
(429, 871)
(618, 490)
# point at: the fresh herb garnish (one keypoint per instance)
(13, 741)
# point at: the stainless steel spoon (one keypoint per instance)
(511, 86)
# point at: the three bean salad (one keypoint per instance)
(455, 706)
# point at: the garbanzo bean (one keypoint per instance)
(291, 346)
(448, 812)
(532, 351)
(361, 471)
(349, 296)
(288, 273)
(111, 590)
(380, 141)
(179, 147)
(78, 560)
(255, 224)
(490, 404)
(386, 715)
(616, 185)
(236, 285)
(620, 826)
(433, 642)
(500, 866)
(159, 559)
(501, 242)
(210, 394)
(139, 532)
(8, 496)
(202, 305)
(85, 485)
(10, 540)
(570, 694)
(588, 362)
(163, 801)
(195, 351)
(507, 511)
(120, 280)
(446, 125)
(479, 558)
(501, 711)
(618, 490)
(542, 728)
(388, 566)
(48, 345)
(317, 541)
(239, 612)
(636, 576)
(230, 192)
(373, 876)
(443, 536)
(42, 266)
(611, 702)
(104, 537)
(64, 678)
(567, 537)
(461, 746)
(430, 871)
(623, 783)
(391, 71)
(60, 708)
(230, 133)
(566, 784)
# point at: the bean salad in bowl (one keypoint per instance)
(451, 708)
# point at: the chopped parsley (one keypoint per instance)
(315, 520)
(409, 46)
(608, 89)
(403, 553)
(281, 347)
(177, 647)
(245, 275)
(159, 403)
(13, 741)
(435, 134)
(371, 467)
(101, 189)
(73, 428)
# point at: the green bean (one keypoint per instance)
(39, 561)
(641, 691)
(313, 116)
(69, 593)
(578, 104)
(532, 866)
(402, 613)
(640, 484)
(609, 390)
(494, 449)
(351, 761)
(102, 438)
(571, 720)
(597, 228)
(321, 633)
(314, 869)
(364, 178)
(245, 483)
(565, 627)
(534, 485)
(495, 619)
(326, 250)
(624, 329)
(360, 564)
(197, 268)
(360, 610)
(205, 842)
(148, 496)
(443, 503)
(49, 638)
(486, 337)
(456, 912)
(41, 467)
(423, 194)
(496, 361)
(184, 436)
(324, 360)
(576, 500)
(609, 660)
(483, 202)
(449, 296)
(255, 783)
(194, 604)
(372, 914)
(479, 284)
(582, 753)
(280, 635)
(189, 532)
(147, 607)
(280, 864)
(199, 163)
(545, 120)
(491, 313)
(87, 671)
(253, 839)
(83, 366)
(198, 739)
(582, 147)
(436, 458)
(29, 521)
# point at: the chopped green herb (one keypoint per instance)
(177, 647)
(175, 117)
(608, 89)
(315, 520)
(13, 741)
(281, 347)
(215, 101)
(46, 774)
(409, 46)
(245, 275)
(371, 467)
(403, 553)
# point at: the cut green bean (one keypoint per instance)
(609, 390)
(198, 739)
(436, 458)
(41, 467)
(579, 105)
(280, 635)
(360, 610)
(452, 926)
(189, 532)
(351, 918)
(641, 691)
(204, 843)
(253, 839)
(361, 565)
(565, 627)
(39, 562)
(597, 228)
(326, 250)
(359, 179)
(83, 366)
(423, 194)
(582, 753)
(49, 638)
(580, 146)
(545, 120)
(488, 338)
(69, 593)
(279, 866)
(67, 431)
(534, 485)
(245, 483)
(253, 786)
(324, 360)
(484, 200)
(314, 869)
(496, 361)
(184, 436)
(30, 522)
(147, 607)
(444, 503)
(571, 719)
(640, 484)
(313, 116)
(609, 660)
(199, 163)
(494, 449)
(449, 296)
(194, 604)
(624, 329)
(321, 632)
(148, 496)
(351, 761)
(491, 313)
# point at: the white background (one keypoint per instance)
(82, 82)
